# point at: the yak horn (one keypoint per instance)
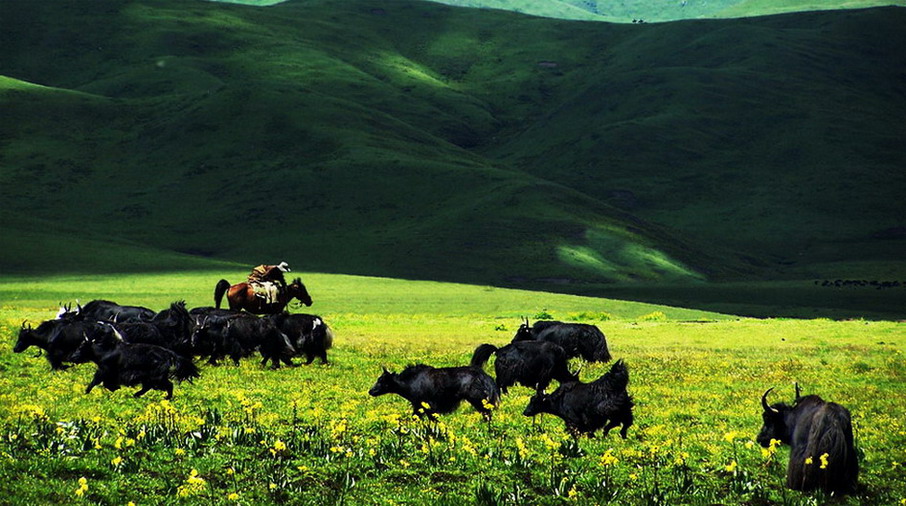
(798, 392)
(764, 402)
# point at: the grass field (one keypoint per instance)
(312, 435)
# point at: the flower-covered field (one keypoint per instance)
(313, 435)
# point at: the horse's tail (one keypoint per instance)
(221, 288)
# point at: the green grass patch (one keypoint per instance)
(312, 435)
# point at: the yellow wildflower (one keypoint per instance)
(730, 436)
(808, 461)
(233, 497)
(731, 467)
(194, 478)
(824, 461)
(608, 459)
(521, 448)
(83, 487)
(116, 461)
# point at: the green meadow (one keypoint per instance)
(718, 189)
(312, 435)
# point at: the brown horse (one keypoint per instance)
(242, 296)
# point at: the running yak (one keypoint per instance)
(530, 363)
(433, 390)
(123, 364)
(820, 435)
(588, 407)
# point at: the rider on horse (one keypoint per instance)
(268, 280)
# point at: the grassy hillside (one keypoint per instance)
(417, 140)
(625, 11)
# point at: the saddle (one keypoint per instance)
(267, 290)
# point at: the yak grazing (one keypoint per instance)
(820, 435)
(577, 339)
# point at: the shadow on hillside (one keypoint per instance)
(801, 299)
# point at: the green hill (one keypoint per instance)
(417, 140)
(626, 11)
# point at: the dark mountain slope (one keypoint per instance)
(417, 140)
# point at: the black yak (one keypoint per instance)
(530, 363)
(123, 364)
(587, 407)
(59, 338)
(433, 390)
(308, 334)
(175, 326)
(820, 436)
(245, 334)
(107, 311)
(577, 339)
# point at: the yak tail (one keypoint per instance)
(185, 370)
(221, 288)
(616, 379)
(830, 446)
(328, 336)
(482, 354)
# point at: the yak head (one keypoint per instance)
(93, 349)
(26, 338)
(539, 403)
(524, 333)
(385, 384)
(85, 351)
(774, 417)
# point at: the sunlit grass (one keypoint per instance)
(313, 435)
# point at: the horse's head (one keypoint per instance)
(297, 290)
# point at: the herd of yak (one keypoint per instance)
(133, 345)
